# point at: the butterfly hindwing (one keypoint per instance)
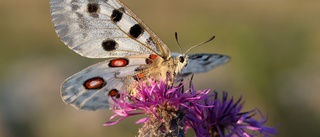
(103, 29)
(198, 63)
(93, 87)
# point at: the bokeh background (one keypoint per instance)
(274, 45)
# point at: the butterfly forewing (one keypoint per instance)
(103, 29)
(93, 87)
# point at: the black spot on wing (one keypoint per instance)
(93, 9)
(117, 14)
(136, 30)
(109, 45)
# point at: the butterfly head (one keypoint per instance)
(180, 61)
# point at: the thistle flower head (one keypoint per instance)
(163, 105)
(225, 119)
(171, 111)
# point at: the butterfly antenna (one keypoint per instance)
(200, 44)
(176, 36)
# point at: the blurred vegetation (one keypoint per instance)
(275, 65)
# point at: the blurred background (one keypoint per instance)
(274, 45)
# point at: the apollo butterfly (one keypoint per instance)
(109, 29)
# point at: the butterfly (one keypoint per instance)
(109, 29)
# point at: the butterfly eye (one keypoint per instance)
(181, 59)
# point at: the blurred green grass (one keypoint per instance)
(275, 64)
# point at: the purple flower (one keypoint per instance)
(171, 111)
(165, 107)
(225, 119)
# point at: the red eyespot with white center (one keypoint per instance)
(119, 62)
(94, 83)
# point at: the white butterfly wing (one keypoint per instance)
(93, 87)
(198, 63)
(104, 28)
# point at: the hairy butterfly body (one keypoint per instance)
(108, 29)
